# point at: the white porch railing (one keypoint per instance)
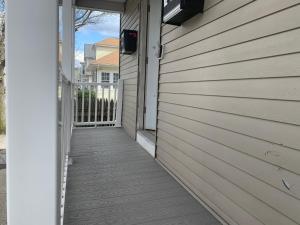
(95, 104)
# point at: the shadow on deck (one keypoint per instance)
(113, 181)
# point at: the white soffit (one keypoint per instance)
(108, 5)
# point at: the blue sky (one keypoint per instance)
(108, 26)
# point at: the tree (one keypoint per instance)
(84, 17)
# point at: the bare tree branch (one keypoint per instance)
(2, 5)
(84, 17)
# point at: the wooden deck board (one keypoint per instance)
(113, 181)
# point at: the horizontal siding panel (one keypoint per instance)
(129, 99)
(130, 115)
(277, 66)
(276, 23)
(251, 12)
(128, 60)
(125, 60)
(129, 106)
(130, 81)
(210, 3)
(271, 88)
(129, 119)
(130, 87)
(166, 28)
(186, 141)
(200, 20)
(134, 26)
(216, 200)
(128, 76)
(229, 105)
(283, 43)
(281, 111)
(129, 112)
(265, 130)
(129, 70)
(266, 150)
(130, 7)
(129, 65)
(130, 93)
(132, 18)
(129, 129)
(246, 201)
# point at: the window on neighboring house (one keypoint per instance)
(94, 78)
(116, 77)
(105, 77)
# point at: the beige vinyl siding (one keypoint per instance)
(129, 70)
(229, 109)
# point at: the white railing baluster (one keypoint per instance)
(82, 103)
(76, 102)
(89, 109)
(96, 104)
(108, 107)
(115, 97)
(102, 104)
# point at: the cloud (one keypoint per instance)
(79, 57)
(107, 26)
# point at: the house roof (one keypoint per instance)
(111, 59)
(108, 42)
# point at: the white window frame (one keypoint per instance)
(105, 75)
(117, 79)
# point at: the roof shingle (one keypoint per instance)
(111, 59)
(108, 42)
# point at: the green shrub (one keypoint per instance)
(93, 101)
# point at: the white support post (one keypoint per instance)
(32, 168)
(68, 60)
(68, 38)
(119, 104)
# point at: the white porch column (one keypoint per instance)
(120, 104)
(31, 52)
(68, 39)
(68, 63)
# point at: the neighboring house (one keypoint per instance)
(101, 61)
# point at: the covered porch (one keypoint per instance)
(220, 93)
(112, 180)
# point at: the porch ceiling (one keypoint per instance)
(109, 5)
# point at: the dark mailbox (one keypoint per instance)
(128, 41)
(178, 11)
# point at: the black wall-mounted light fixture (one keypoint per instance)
(176, 12)
(128, 41)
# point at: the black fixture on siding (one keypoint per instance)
(128, 41)
(176, 12)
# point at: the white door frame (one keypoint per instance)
(152, 66)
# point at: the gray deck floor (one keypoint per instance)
(113, 181)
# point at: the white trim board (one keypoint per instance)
(146, 143)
